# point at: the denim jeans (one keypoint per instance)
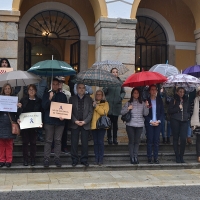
(98, 137)
(163, 127)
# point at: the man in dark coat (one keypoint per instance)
(82, 111)
(53, 126)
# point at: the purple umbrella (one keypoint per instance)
(193, 70)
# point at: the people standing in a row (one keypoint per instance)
(101, 108)
(6, 136)
(135, 126)
(82, 111)
(179, 110)
(53, 126)
(153, 124)
(31, 103)
(114, 96)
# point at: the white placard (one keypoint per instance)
(30, 120)
(8, 103)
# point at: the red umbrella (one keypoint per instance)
(144, 78)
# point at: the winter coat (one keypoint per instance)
(100, 110)
(24, 102)
(114, 96)
(46, 103)
(197, 129)
(174, 110)
(137, 113)
(159, 110)
(5, 125)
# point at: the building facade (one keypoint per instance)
(139, 33)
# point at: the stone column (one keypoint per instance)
(115, 40)
(197, 38)
(9, 36)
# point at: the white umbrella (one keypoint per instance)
(165, 69)
(18, 78)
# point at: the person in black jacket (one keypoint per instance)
(179, 111)
(153, 124)
(53, 126)
(6, 136)
(31, 103)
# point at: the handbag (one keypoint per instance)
(126, 117)
(14, 126)
(103, 122)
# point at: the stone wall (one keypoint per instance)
(9, 36)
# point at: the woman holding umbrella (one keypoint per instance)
(114, 96)
(179, 110)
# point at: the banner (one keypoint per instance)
(58, 110)
(30, 120)
(5, 69)
(8, 103)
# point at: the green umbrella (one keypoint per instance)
(49, 68)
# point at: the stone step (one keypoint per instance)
(165, 165)
(108, 158)
(112, 148)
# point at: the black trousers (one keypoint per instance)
(114, 127)
(29, 136)
(84, 144)
(179, 131)
(198, 145)
(64, 137)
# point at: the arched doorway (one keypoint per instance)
(151, 44)
(49, 33)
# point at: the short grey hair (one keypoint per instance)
(79, 84)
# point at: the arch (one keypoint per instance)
(53, 6)
(134, 9)
(99, 7)
(161, 20)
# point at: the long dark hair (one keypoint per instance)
(139, 98)
(4, 59)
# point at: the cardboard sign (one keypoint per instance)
(5, 69)
(58, 110)
(8, 103)
(30, 120)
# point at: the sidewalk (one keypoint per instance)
(98, 180)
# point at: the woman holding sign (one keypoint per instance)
(30, 104)
(6, 136)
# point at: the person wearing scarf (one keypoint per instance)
(195, 121)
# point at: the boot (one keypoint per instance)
(189, 141)
(178, 159)
(168, 140)
(164, 142)
(136, 161)
(115, 141)
(181, 159)
(132, 161)
(109, 140)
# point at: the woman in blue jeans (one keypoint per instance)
(101, 107)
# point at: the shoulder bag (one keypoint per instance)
(126, 117)
(14, 126)
(103, 122)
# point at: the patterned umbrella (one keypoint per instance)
(97, 77)
(182, 80)
(165, 69)
(109, 64)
